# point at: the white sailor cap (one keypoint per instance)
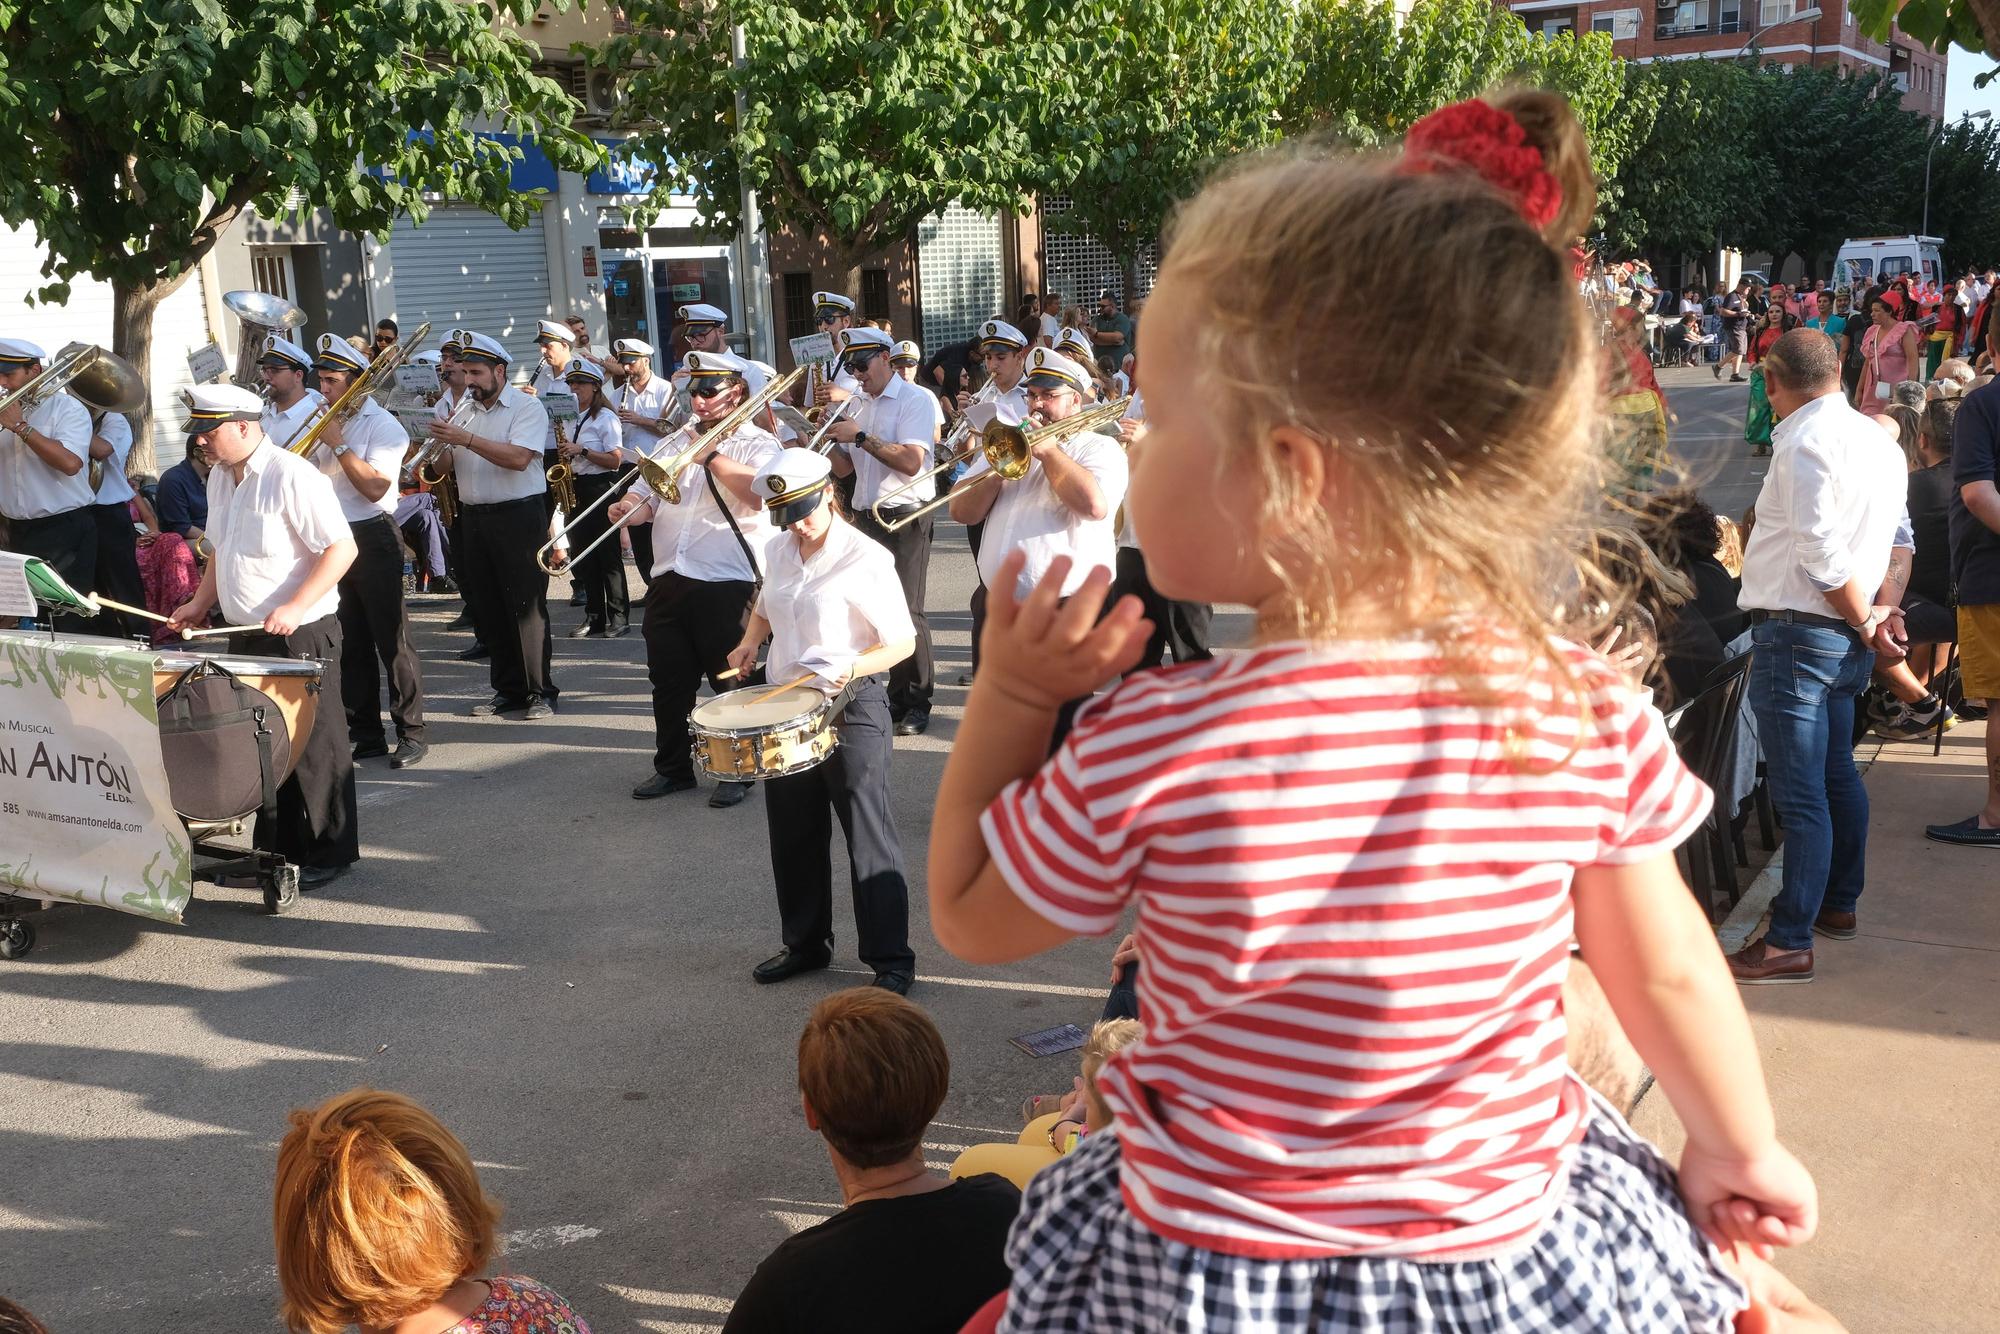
(284, 354)
(581, 368)
(427, 358)
(210, 405)
(761, 373)
(711, 365)
(337, 354)
(1049, 369)
(1074, 343)
(20, 352)
(631, 347)
(453, 344)
(702, 316)
(550, 330)
(867, 341)
(478, 347)
(906, 351)
(793, 484)
(832, 303)
(1000, 334)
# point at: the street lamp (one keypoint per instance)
(1797, 16)
(1969, 115)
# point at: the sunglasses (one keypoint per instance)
(710, 390)
(825, 319)
(858, 362)
(629, 360)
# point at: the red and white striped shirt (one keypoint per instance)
(1353, 880)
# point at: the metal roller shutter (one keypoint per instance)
(180, 326)
(465, 268)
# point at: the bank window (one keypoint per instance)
(874, 294)
(798, 305)
(1622, 24)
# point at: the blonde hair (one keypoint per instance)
(1107, 1037)
(378, 1212)
(1729, 551)
(1459, 474)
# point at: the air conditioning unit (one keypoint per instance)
(601, 93)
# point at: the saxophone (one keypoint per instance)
(561, 478)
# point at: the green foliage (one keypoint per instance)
(1182, 85)
(1691, 177)
(1936, 23)
(1965, 193)
(857, 122)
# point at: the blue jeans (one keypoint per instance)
(1802, 687)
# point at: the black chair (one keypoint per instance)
(1704, 733)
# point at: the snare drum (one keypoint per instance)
(738, 741)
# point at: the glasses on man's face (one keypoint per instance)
(629, 361)
(825, 319)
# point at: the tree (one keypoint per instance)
(1973, 25)
(139, 131)
(1695, 176)
(1184, 84)
(1965, 193)
(854, 123)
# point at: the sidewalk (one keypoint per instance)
(1886, 1070)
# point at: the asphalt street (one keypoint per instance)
(561, 972)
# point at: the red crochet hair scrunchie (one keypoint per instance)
(1476, 134)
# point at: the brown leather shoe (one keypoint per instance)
(1762, 964)
(1835, 925)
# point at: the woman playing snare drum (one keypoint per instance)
(832, 607)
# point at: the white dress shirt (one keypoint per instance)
(601, 431)
(1028, 515)
(116, 488)
(545, 378)
(655, 401)
(374, 433)
(693, 539)
(30, 488)
(1051, 329)
(267, 530)
(828, 609)
(900, 415)
(1829, 511)
(513, 418)
(281, 428)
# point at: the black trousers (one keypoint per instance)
(853, 787)
(691, 626)
(118, 569)
(316, 822)
(1179, 628)
(601, 574)
(375, 628)
(509, 595)
(67, 544)
(912, 680)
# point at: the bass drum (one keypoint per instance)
(231, 728)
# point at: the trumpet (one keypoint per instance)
(434, 448)
(349, 403)
(664, 478)
(1009, 451)
(561, 477)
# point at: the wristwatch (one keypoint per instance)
(341, 450)
(861, 439)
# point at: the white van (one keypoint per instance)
(1873, 259)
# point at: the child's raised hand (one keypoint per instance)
(1761, 1201)
(1043, 651)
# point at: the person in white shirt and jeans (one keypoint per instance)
(1822, 573)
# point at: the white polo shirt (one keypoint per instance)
(116, 488)
(512, 418)
(828, 609)
(267, 529)
(601, 431)
(1027, 514)
(693, 539)
(655, 401)
(380, 440)
(900, 415)
(281, 428)
(30, 488)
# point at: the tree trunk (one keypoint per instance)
(132, 310)
(1128, 276)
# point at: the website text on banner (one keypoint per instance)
(85, 814)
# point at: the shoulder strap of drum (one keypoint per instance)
(756, 574)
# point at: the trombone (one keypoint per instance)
(100, 379)
(1009, 451)
(349, 403)
(664, 478)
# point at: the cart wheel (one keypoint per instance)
(16, 938)
(281, 890)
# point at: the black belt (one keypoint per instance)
(535, 499)
(1802, 618)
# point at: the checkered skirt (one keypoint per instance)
(1619, 1253)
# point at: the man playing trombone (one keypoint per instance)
(361, 455)
(496, 456)
(45, 475)
(883, 443)
(288, 404)
(707, 564)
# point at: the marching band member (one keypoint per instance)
(451, 392)
(645, 409)
(1003, 351)
(828, 381)
(361, 457)
(45, 478)
(283, 369)
(704, 327)
(281, 546)
(832, 606)
(117, 539)
(883, 444)
(496, 458)
(595, 455)
(708, 550)
(1062, 507)
(1180, 629)
(906, 359)
(556, 342)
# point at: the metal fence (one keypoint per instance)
(1077, 268)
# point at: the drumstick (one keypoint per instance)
(726, 673)
(773, 694)
(222, 630)
(103, 601)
